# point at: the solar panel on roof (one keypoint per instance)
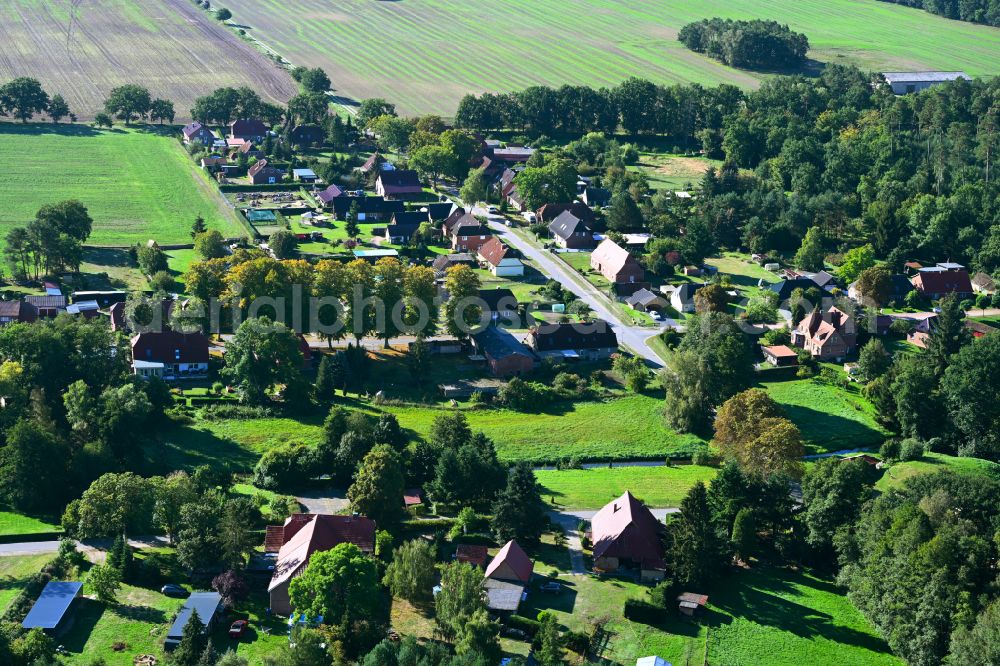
(52, 605)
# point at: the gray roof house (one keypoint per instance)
(904, 83)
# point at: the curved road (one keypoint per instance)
(629, 336)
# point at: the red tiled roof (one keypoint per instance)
(511, 563)
(494, 251)
(942, 282)
(626, 529)
(313, 533)
(274, 538)
(413, 496)
(471, 554)
(780, 351)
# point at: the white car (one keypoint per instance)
(492, 210)
(530, 217)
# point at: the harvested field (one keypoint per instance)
(424, 55)
(84, 48)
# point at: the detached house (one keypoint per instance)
(17, 311)
(306, 135)
(594, 339)
(501, 260)
(984, 284)
(404, 226)
(826, 336)
(946, 278)
(615, 263)
(197, 133)
(170, 355)
(263, 174)
(570, 232)
(248, 129)
(625, 533)
(505, 356)
(468, 235)
(506, 577)
(329, 194)
(398, 183)
(304, 534)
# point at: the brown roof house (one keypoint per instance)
(398, 184)
(306, 135)
(945, 278)
(248, 129)
(306, 533)
(468, 234)
(170, 355)
(473, 554)
(826, 336)
(626, 534)
(570, 232)
(591, 340)
(615, 263)
(197, 133)
(501, 259)
(984, 284)
(506, 577)
(262, 174)
(505, 356)
(15, 311)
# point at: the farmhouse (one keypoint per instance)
(505, 356)
(398, 183)
(615, 263)
(945, 278)
(570, 232)
(17, 311)
(904, 83)
(306, 135)
(829, 336)
(591, 340)
(469, 235)
(197, 133)
(50, 613)
(304, 534)
(262, 174)
(502, 261)
(626, 534)
(248, 129)
(506, 576)
(208, 605)
(170, 355)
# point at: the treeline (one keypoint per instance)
(754, 44)
(974, 11)
(23, 98)
(53, 241)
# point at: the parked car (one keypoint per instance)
(554, 586)
(173, 590)
(493, 210)
(654, 315)
(529, 217)
(237, 628)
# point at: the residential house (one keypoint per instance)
(244, 149)
(512, 154)
(17, 311)
(439, 210)
(370, 209)
(248, 129)
(570, 232)
(551, 211)
(208, 606)
(307, 176)
(506, 184)
(780, 355)
(644, 300)
(681, 295)
(625, 534)
(784, 288)
(197, 133)
(170, 355)
(597, 197)
(329, 194)
(47, 307)
(398, 184)
(984, 284)
(824, 280)
(593, 339)
(502, 260)
(945, 278)
(899, 287)
(304, 534)
(403, 226)
(260, 173)
(469, 235)
(826, 336)
(615, 263)
(214, 163)
(443, 262)
(375, 161)
(306, 135)
(506, 577)
(500, 304)
(456, 216)
(505, 356)
(905, 83)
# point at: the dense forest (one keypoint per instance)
(976, 11)
(755, 44)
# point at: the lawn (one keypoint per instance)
(137, 185)
(614, 429)
(16, 523)
(895, 476)
(427, 61)
(830, 418)
(673, 172)
(658, 487)
(16, 571)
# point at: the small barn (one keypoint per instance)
(51, 610)
(206, 604)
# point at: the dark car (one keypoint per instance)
(173, 590)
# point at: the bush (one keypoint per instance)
(526, 625)
(703, 458)
(638, 610)
(889, 449)
(911, 449)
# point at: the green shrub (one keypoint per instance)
(911, 449)
(638, 610)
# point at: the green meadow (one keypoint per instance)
(592, 488)
(429, 53)
(137, 185)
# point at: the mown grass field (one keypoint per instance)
(16, 523)
(15, 572)
(658, 487)
(82, 50)
(429, 53)
(895, 476)
(137, 185)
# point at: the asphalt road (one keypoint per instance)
(632, 337)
